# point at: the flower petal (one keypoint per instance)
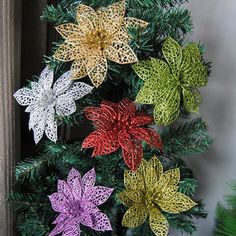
(24, 96)
(68, 52)
(133, 22)
(158, 223)
(135, 216)
(37, 90)
(192, 100)
(101, 222)
(134, 156)
(91, 140)
(125, 199)
(88, 180)
(79, 90)
(79, 69)
(63, 83)
(127, 109)
(58, 229)
(121, 53)
(140, 120)
(173, 54)
(61, 218)
(77, 191)
(154, 171)
(98, 74)
(38, 130)
(64, 188)
(170, 178)
(46, 78)
(168, 110)
(133, 180)
(59, 202)
(65, 105)
(72, 228)
(72, 178)
(125, 141)
(105, 144)
(148, 135)
(86, 11)
(177, 203)
(99, 194)
(51, 127)
(86, 219)
(112, 17)
(69, 31)
(137, 197)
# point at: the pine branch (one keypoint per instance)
(189, 138)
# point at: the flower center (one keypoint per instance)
(98, 39)
(76, 208)
(153, 197)
(121, 123)
(47, 99)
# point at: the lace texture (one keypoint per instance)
(167, 82)
(43, 102)
(120, 126)
(98, 36)
(76, 200)
(149, 191)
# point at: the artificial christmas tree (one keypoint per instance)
(145, 90)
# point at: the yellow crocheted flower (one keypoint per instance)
(169, 83)
(98, 36)
(149, 191)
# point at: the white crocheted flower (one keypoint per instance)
(44, 102)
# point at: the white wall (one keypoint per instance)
(215, 26)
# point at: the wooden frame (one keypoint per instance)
(10, 34)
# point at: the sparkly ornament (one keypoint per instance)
(167, 82)
(119, 126)
(98, 36)
(149, 191)
(76, 200)
(44, 102)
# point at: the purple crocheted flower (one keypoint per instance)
(76, 200)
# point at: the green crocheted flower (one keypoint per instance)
(167, 83)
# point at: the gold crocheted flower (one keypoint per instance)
(149, 191)
(98, 36)
(175, 81)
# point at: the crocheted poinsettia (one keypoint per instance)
(45, 102)
(120, 126)
(76, 200)
(167, 83)
(98, 36)
(149, 192)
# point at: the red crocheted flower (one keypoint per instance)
(120, 126)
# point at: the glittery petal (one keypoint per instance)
(46, 78)
(158, 223)
(101, 222)
(88, 180)
(170, 177)
(173, 54)
(135, 216)
(70, 31)
(65, 105)
(192, 100)
(62, 83)
(59, 202)
(121, 53)
(177, 203)
(123, 197)
(140, 120)
(133, 180)
(51, 127)
(79, 69)
(67, 52)
(79, 90)
(98, 74)
(64, 188)
(72, 177)
(99, 194)
(24, 96)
